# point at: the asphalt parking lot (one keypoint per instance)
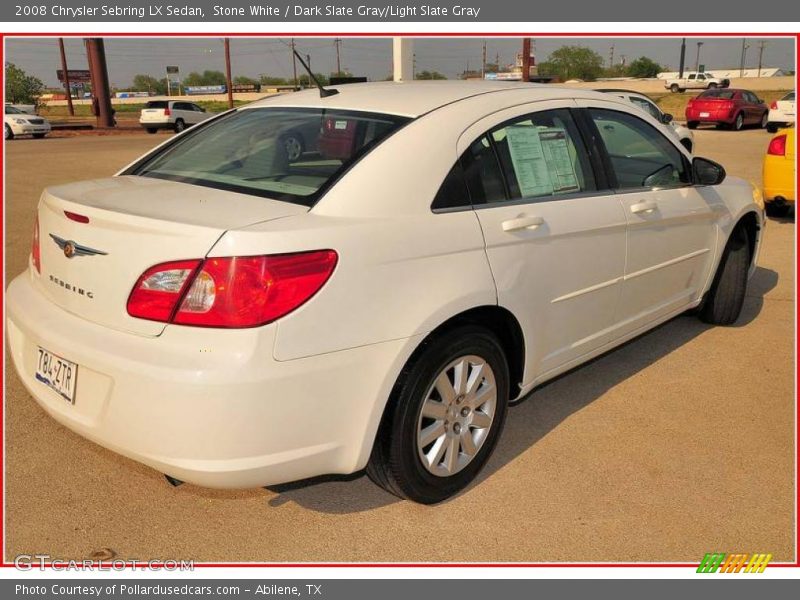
(677, 444)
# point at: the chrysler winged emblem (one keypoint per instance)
(72, 248)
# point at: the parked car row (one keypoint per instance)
(778, 173)
(782, 113)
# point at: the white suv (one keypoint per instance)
(171, 114)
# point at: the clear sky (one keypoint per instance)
(371, 57)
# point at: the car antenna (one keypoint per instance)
(323, 93)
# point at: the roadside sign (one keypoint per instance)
(75, 76)
(701, 69)
(172, 70)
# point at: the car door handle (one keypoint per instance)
(647, 206)
(522, 222)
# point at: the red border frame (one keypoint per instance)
(795, 35)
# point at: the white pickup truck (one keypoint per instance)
(696, 81)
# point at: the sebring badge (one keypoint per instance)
(72, 248)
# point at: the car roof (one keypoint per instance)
(410, 99)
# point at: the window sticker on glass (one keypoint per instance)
(340, 125)
(559, 161)
(527, 156)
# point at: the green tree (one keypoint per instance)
(269, 80)
(22, 88)
(305, 80)
(573, 62)
(244, 80)
(429, 75)
(644, 67)
(205, 78)
(148, 83)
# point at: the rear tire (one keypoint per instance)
(151, 130)
(179, 125)
(674, 88)
(725, 299)
(687, 143)
(773, 127)
(777, 209)
(712, 86)
(412, 454)
(738, 123)
(764, 120)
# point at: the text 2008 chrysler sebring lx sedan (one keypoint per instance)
(235, 318)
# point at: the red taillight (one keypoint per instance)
(777, 146)
(774, 105)
(167, 112)
(76, 217)
(36, 252)
(157, 292)
(235, 292)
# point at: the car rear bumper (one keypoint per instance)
(778, 178)
(157, 124)
(214, 409)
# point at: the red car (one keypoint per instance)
(728, 108)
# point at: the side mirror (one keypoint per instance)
(666, 118)
(707, 172)
(759, 100)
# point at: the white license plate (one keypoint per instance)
(57, 373)
(703, 114)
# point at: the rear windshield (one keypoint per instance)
(291, 154)
(722, 94)
(158, 104)
(789, 96)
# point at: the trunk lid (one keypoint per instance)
(716, 107)
(133, 223)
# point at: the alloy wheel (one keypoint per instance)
(456, 416)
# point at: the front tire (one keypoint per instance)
(764, 120)
(444, 418)
(674, 88)
(712, 86)
(7, 133)
(725, 299)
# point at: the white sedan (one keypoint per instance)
(17, 122)
(235, 318)
(782, 113)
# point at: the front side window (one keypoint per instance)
(247, 151)
(640, 155)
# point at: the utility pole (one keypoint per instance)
(308, 62)
(697, 58)
(101, 95)
(227, 43)
(66, 77)
(414, 66)
(337, 42)
(683, 58)
(761, 46)
(611, 58)
(483, 64)
(294, 66)
(744, 56)
(526, 59)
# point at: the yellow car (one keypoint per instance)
(779, 175)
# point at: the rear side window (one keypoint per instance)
(453, 193)
(542, 156)
(482, 173)
(789, 97)
(640, 155)
(157, 104)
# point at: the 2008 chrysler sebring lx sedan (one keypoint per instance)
(234, 318)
